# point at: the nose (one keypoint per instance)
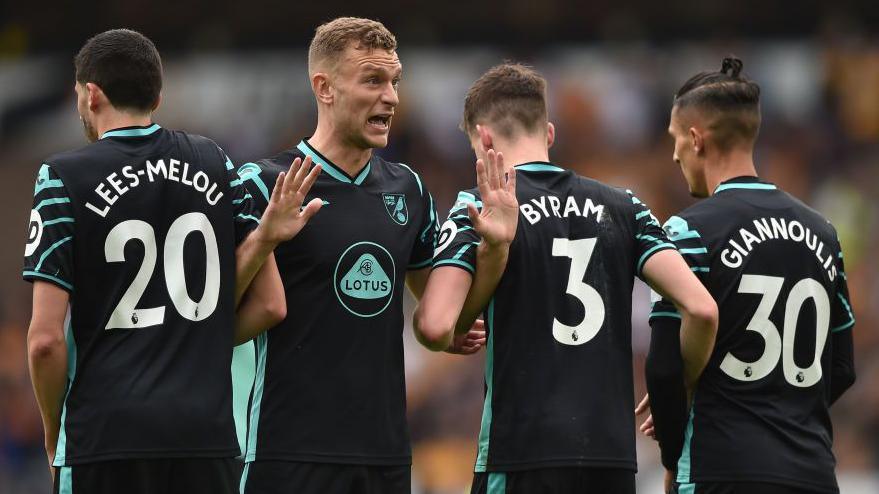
(389, 95)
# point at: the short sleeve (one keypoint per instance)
(48, 253)
(253, 178)
(687, 239)
(425, 242)
(246, 216)
(841, 315)
(457, 242)
(649, 236)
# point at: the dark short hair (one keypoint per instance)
(125, 65)
(507, 95)
(729, 96)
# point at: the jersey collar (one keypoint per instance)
(539, 166)
(752, 183)
(134, 131)
(329, 168)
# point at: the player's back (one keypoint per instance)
(150, 266)
(559, 359)
(774, 267)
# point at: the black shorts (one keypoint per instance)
(289, 477)
(156, 476)
(562, 480)
(742, 488)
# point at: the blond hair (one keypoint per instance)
(332, 38)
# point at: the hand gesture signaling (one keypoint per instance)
(497, 221)
(284, 216)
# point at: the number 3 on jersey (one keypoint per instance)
(580, 252)
(777, 345)
(126, 314)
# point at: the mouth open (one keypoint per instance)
(380, 122)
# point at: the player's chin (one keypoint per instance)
(376, 138)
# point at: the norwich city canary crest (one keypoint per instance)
(395, 204)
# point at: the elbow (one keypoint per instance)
(705, 311)
(432, 333)
(275, 310)
(45, 346)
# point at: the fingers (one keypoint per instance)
(311, 209)
(478, 324)
(510, 186)
(499, 171)
(295, 178)
(482, 178)
(493, 179)
(278, 189)
(473, 213)
(309, 180)
(643, 406)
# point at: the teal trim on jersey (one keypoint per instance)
(244, 475)
(258, 386)
(250, 171)
(229, 165)
(721, 188)
(687, 489)
(243, 374)
(841, 274)
(485, 426)
(840, 255)
(459, 217)
(65, 480)
(664, 314)
(49, 202)
(466, 196)
(643, 214)
(43, 181)
(417, 178)
(419, 265)
(235, 182)
(463, 250)
(700, 250)
(635, 200)
(248, 217)
(649, 238)
(61, 447)
(684, 463)
(455, 262)
(539, 167)
(239, 201)
(65, 219)
(677, 229)
(331, 169)
(653, 249)
(432, 222)
(851, 315)
(700, 269)
(132, 132)
(49, 277)
(497, 483)
(50, 249)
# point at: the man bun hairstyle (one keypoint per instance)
(731, 100)
(510, 96)
(125, 65)
(333, 37)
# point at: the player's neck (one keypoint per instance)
(349, 158)
(117, 120)
(737, 163)
(523, 153)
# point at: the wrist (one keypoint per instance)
(489, 248)
(263, 239)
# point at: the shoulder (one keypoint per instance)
(89, 152)
(272, 165)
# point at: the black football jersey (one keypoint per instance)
(775, 268)
(140, 228)
(559, 388)
(329, 384)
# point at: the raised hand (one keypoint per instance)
(284, 216)
(497, 221)
(470, 342)
(647, 428)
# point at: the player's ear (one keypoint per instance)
(484, 137)
(95, 96)
(697, 140)
(320, 85)
(550, 134)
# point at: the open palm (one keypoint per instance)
(284, 216)
(497, 221)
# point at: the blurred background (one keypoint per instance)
(236, 72)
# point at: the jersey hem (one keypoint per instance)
(331, 458)
(30, 275)
(562, 462)
(136, 455)
(771, 479)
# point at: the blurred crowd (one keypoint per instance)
(610, 104)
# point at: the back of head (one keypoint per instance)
(125, 65)
(727, 101)
(511, 97)
(332, 38)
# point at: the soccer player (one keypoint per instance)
(132, 253)
(559, 405)
(759, 419)
(328, 410)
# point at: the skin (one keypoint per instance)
(256, 272)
